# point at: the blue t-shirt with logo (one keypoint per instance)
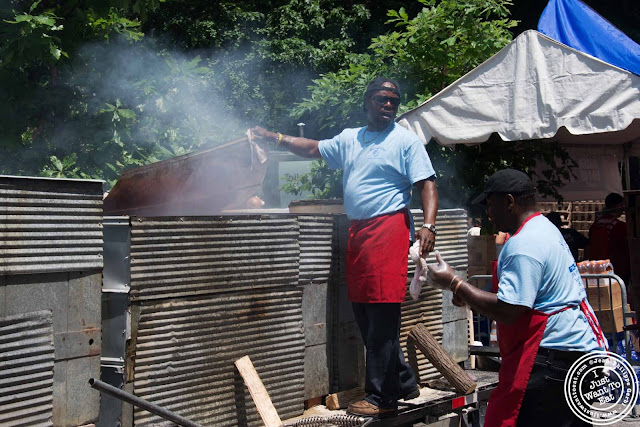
(536, 270)
(379, 168)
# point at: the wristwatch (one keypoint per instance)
(430, 227)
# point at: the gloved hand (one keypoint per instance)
(420, 275)
(440, 275)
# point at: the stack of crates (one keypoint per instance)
(577, 215)
(563, 209)
(583, 215)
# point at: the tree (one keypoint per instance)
(427, 52)
(39, 40)
(90, 95)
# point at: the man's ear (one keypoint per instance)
(510, 200)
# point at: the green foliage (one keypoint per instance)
(81, 83)
(113, 23)
(322, 182)
(336, 97)
(87, 93)
(318, 34)
(65, 168)
(444, 41)
(51, 125)
(462, 172)
(31, 37)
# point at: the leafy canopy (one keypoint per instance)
(426, 53)
(88, 92)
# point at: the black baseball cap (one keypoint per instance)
(376, 85)
(506, 181)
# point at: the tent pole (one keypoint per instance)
(627, 173)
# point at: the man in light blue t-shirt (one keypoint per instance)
(544, 321)
(381, 162)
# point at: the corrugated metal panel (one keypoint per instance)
(50, 225)
(186, 348)
(26, 369)
(316, 234)
(316, 245)
(174, 257)
(428, 311)
(451, 239)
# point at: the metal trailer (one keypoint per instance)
(443, 408)
(434, 408)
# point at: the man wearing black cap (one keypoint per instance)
(539, 303)
(381, 162)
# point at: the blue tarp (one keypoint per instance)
(575, 24)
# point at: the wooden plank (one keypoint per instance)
(259, 394)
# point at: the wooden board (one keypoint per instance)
(258, 392)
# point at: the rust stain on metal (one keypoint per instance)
(202, 183)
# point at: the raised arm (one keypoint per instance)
(304, 147)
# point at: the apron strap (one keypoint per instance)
(595, 326)
(591, 319)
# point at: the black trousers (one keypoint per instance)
(544, 402)
(388, 376)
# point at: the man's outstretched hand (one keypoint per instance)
(261, 132)
(441, 274)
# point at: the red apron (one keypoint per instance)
(376, 259)
(519, 345)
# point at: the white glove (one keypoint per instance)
(420, 275)
(439, 275)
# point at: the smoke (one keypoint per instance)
(173, 96)
(138, 103)
(132, 103)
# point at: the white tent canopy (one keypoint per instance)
(538, 89)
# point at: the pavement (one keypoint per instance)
(629, 421)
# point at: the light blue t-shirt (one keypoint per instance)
(379, 170)
(536, 270)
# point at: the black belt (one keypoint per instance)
(549, 355)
